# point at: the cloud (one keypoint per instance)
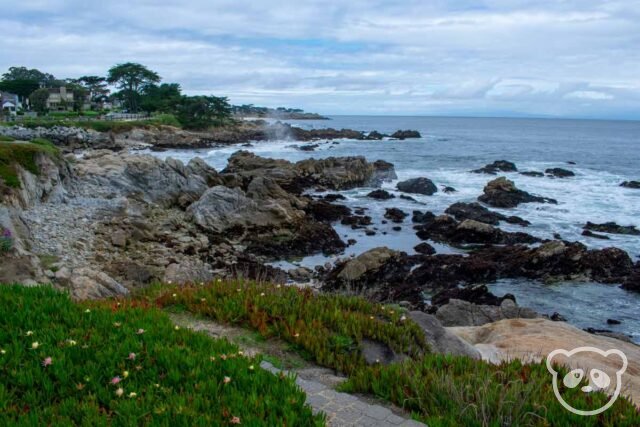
(564, 58)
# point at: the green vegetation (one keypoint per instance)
(439, 390)
(25, 155)
(123, 364)
(324, 328)
(4, 138)
(100, 125)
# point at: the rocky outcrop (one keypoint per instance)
(336, 173)
(497, 166)
(424, 248)
(440, 340)
(68, 138)
(395, 215)
(406, 134)
(503, 193)
(559, 173)
(476, 294)
(631, 184)
(534, 174)
(446, 229)
(85, 283)
(462, 313)
(477, 212)
(418, 186)
(613, 228)
(531, 340)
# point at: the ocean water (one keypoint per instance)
(605, 154)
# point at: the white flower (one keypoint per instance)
(29, 333)
(133, 394)
(87, 311)
(35, 345)
(119, 392)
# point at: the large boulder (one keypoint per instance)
(418, 186)
(463, 313)
(405, 134)
(559, 173)
(87, 283)
(631, 184)
(613, 228)
(503, 193)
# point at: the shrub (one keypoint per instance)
(63, 364)
(23, 154)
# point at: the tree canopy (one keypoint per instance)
(95, 86)
(201, 112)
(131, 78)
(24, 73)
(22, 88)
(38, 100)
(163, 98)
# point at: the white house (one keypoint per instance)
(10, 103)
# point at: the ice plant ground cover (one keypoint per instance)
(439, 390)
(23, 154)
(66, 363)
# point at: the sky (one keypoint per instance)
(542, 58)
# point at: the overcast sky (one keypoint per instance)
(565, 58)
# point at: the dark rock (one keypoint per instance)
(357, 221)
(557, 317)
(557, 236)
(406, 134)
(324, 211)
(440, 340)
(559, 173)
(418, 186)
(375, 352)
(369, 232)
(631, 184)
(381, 195)
(375, 136)
(424, 248)
(396, 228)
(589, 233)
(334, 197)
(534, 174)
(395, 215)
(463, 313)
(420, 218)
(477, 212)
(447, 230)
(502, 193)
(448, 190)
(479, 295)
(613, 322)
(571, 162)
(351, 242)
(613, 228)
(309, 147)
(405, 197)
(497, 166)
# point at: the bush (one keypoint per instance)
(166, 120)
(126, 364)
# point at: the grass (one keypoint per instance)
(4, 138)
(323, 328)
(25, 155)
(177, 377)
(439, 390)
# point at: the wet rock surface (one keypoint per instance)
(631, 184)
(477, 212)
(559, 173)
(497, 166)
(613, 228)
(502, 193)
(418, 186)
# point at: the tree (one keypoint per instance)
(22, 88)
(24, 73)
(163, 98)
(131, 78)
(96, 86)
(38, 100)
(201, 112)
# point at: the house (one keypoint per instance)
(60, 99)
(10, 103)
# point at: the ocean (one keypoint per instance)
(605, 154)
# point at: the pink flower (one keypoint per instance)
(235, 420)
(115, 380)
(47, 361)
(132, 356)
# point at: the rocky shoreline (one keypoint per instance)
(105, 220)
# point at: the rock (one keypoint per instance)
(321, 210)
(440, 340)
(405, 134)
(463, 313)
(333, 197)
(375, 136)
(424, 248)
(588, 233)
(613, 322)
(613, 228)
(447, 230)
(309, 147)
(478, 294)
(86, 283)
(477, 212)
(300, 274)
(557, 317)
(420, 218)
(559, 173)
(119, 238)
(534, 174)
(405, 197)
(448, 190)
(502, 193)
(395, 215)
(531, 340)
(193, 272)
(381, 195)
(497, 166)
(418, 186)
(375, 352)
(631, 184)
(356, 221)
(396, 228)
